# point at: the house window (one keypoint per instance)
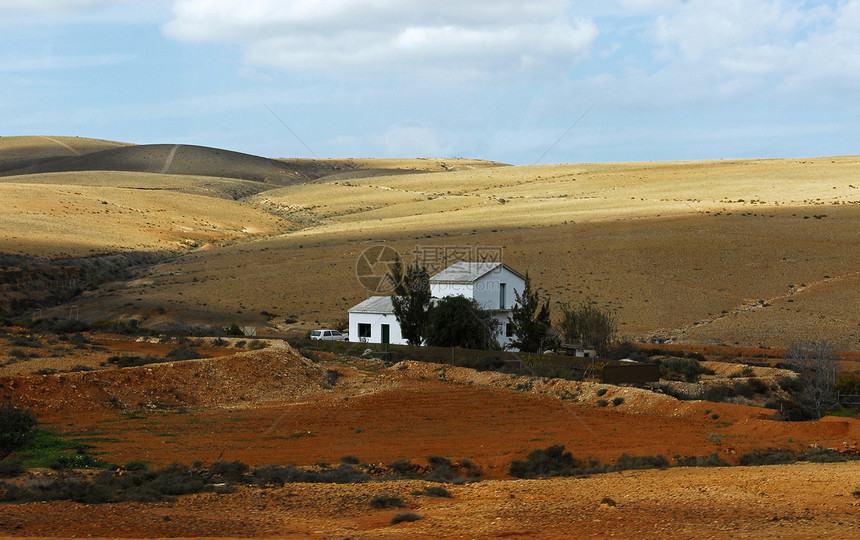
(364, 330)
(502, 295)
(509, 330)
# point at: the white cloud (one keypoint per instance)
(57, 63)
(463, 37)
(53, 7)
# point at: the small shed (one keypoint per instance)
(373, 321)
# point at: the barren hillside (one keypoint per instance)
(735, 251)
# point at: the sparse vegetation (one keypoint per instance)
(816, 362)
(768, 456)
(404, 517)
(385, 500)
(434, 491)
(587, 324)
(16, 428)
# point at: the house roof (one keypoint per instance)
(374, 304)
(469, 272)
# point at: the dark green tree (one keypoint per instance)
(411, 300)
(16, 428)
(530, 320)
(588, 325)
(457, 321)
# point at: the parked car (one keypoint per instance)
(329, 335)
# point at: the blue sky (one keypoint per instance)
(505, 80)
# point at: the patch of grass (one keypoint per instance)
(49, 448)
(404, 517)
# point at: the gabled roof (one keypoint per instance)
(469, 272)
(374, 304)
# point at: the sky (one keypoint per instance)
(516, 81)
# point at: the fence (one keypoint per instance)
(850, 400)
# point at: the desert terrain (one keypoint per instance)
(734, 252)
(750, 252)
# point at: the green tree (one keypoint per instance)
(457, 321)
(16, 428)
(411, 300)
(530, 320)
(588, 325)
(816, 362)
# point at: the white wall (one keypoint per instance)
(442, 290)
(376, 321)
(487, 288)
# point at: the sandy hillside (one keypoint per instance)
(732, 251)
(715, 252)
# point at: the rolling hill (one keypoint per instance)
(729, 251)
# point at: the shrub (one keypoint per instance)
(234, 330)
(332, 375)
(626, 462)
(404, 469)
(185, 353)
(228, 471)
(552, 461)
(434, 491)
(617, 401)
(26, 341)
(385, 500)
(350, 460)
(711, 461)
(689, 368)
(19, 354)
(441, 469)
(11, 468)
(758, 386)
(404, 517)
(134, 361)
(601, 392)
(16, 428)
(768, 456)
(822, 455)
(848, 385)
(79, 367)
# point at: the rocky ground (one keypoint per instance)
(274, 406)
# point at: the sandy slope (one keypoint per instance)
(732, 251)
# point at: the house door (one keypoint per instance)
(385, 334)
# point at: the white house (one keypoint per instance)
(490, 284)
(373, 321)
